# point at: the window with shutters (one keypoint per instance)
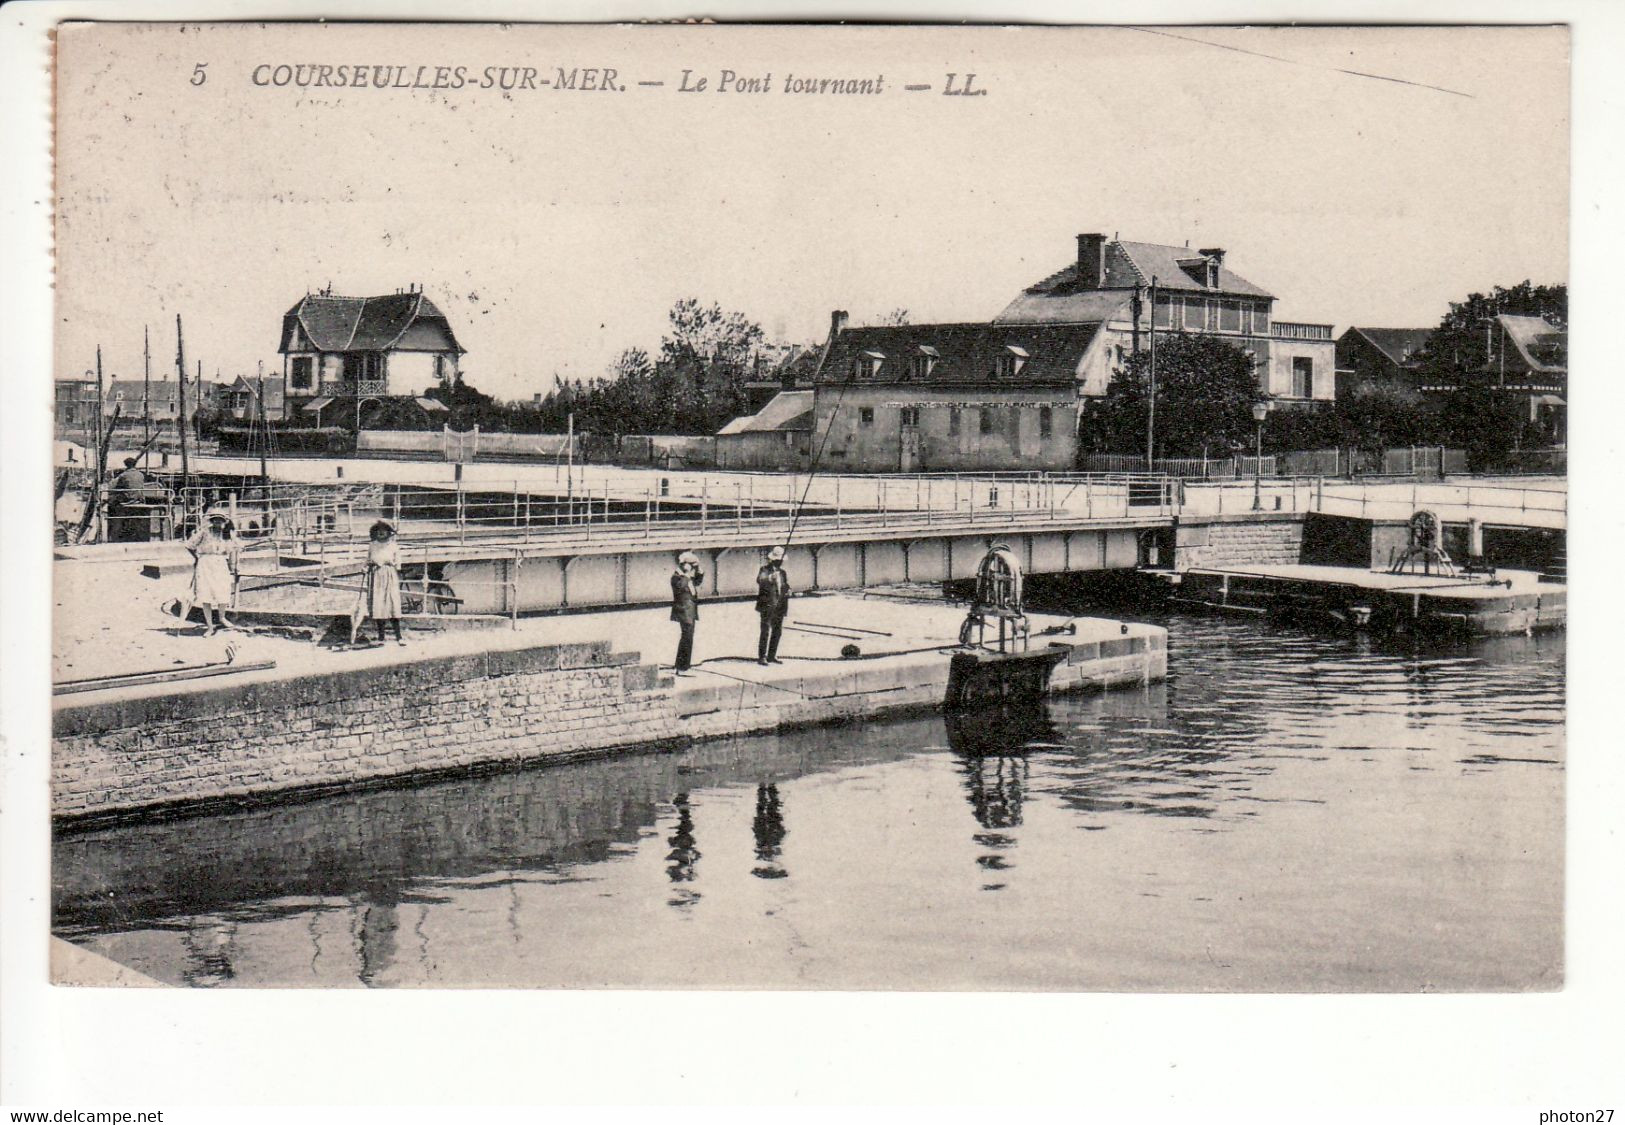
(1303, 376)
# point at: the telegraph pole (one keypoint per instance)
(1151, 413)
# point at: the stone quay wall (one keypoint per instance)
(448, 716)
(352, 728)
(838, 691)
(1238, 540)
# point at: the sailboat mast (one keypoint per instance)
(265, 430)
(180, 421)
(99, 453)
(146, 392)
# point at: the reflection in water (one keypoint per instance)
(683, 855)
(768, 827)
(992, 745)
(211, 951)
(1290, 810)
(375, 940)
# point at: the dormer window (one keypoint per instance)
(921, 363)
(867, 364)
(1011, 361)
(1212, 273)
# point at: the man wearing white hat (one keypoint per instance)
(772, 603)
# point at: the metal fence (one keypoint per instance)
(1421, 461)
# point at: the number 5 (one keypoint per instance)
(198, 75)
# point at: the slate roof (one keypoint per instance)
(361, 324)
(965, 353)
(1133, 264)
(1398, 344)
(1078, 307)
(787, 410)
(1541, 346)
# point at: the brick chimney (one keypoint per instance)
(1091, 260)
(837, 322)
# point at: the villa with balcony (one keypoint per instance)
(356, 351)
(1132, 289)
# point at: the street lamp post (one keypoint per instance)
(1260, 412)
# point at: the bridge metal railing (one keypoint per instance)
(1453, 501)
(322, 522)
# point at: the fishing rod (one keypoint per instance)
(812, 469)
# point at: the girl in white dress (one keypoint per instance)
(214, 570)
(381, 586)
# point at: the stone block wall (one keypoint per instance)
(346, 729)
(1238, 541)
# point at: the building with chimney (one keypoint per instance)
(1007, 393)
(945, 397)
(350, 350)
(1132, 289)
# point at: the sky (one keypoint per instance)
(1364, 176)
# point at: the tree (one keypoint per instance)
(1205, 390)
(1488, 425)
(1460, 345)
(1376, 417)
(894, 319)
(694, 384)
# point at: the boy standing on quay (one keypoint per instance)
(772, 603)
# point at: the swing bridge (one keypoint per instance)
(478, 544)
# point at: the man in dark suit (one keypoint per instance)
(772, 603)
(686, 581)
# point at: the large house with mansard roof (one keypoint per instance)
(1008, 393)
(1111, 283)
(356, 349)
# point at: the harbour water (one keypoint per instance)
(1289, 811)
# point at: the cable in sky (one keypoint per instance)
(1299, 62)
